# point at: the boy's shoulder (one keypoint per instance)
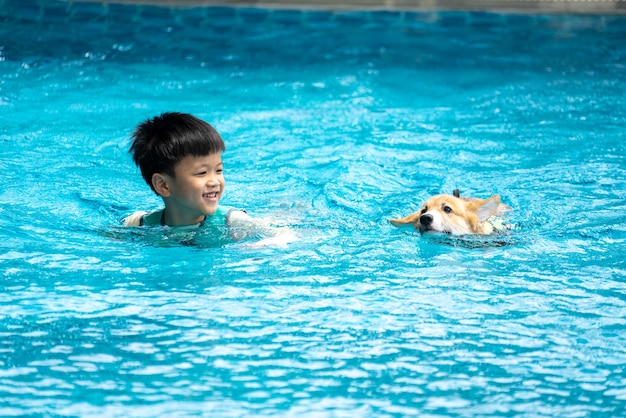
(237, 217)
(134, 219)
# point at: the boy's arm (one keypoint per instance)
(244, 226)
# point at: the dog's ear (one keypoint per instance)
(485, 208)
(411, 219)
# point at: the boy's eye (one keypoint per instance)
(201, 173)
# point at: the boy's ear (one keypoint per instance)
(159, 182)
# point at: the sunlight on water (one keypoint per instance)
(334, 123)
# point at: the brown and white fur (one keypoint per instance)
(452, 214)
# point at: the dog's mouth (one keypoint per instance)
(427, 230)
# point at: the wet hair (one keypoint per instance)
(161, 142)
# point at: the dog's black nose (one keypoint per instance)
(426, 219)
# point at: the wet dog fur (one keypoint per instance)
(453, 214)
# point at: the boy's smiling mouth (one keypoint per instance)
(210, 195)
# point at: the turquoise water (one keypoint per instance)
(334, 123)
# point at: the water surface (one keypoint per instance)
(334, 123)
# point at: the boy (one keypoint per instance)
(180, 157)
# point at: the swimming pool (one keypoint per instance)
(334, 123)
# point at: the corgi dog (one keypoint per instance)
(453, 214)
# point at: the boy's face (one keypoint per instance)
(195, 189)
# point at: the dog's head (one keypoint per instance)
(454, 215)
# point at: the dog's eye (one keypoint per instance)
(447, 209)
(423, 210)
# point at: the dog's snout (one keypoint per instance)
(426, 219)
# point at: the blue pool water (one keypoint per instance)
(334, 123)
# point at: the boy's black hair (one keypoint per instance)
(161, 142)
